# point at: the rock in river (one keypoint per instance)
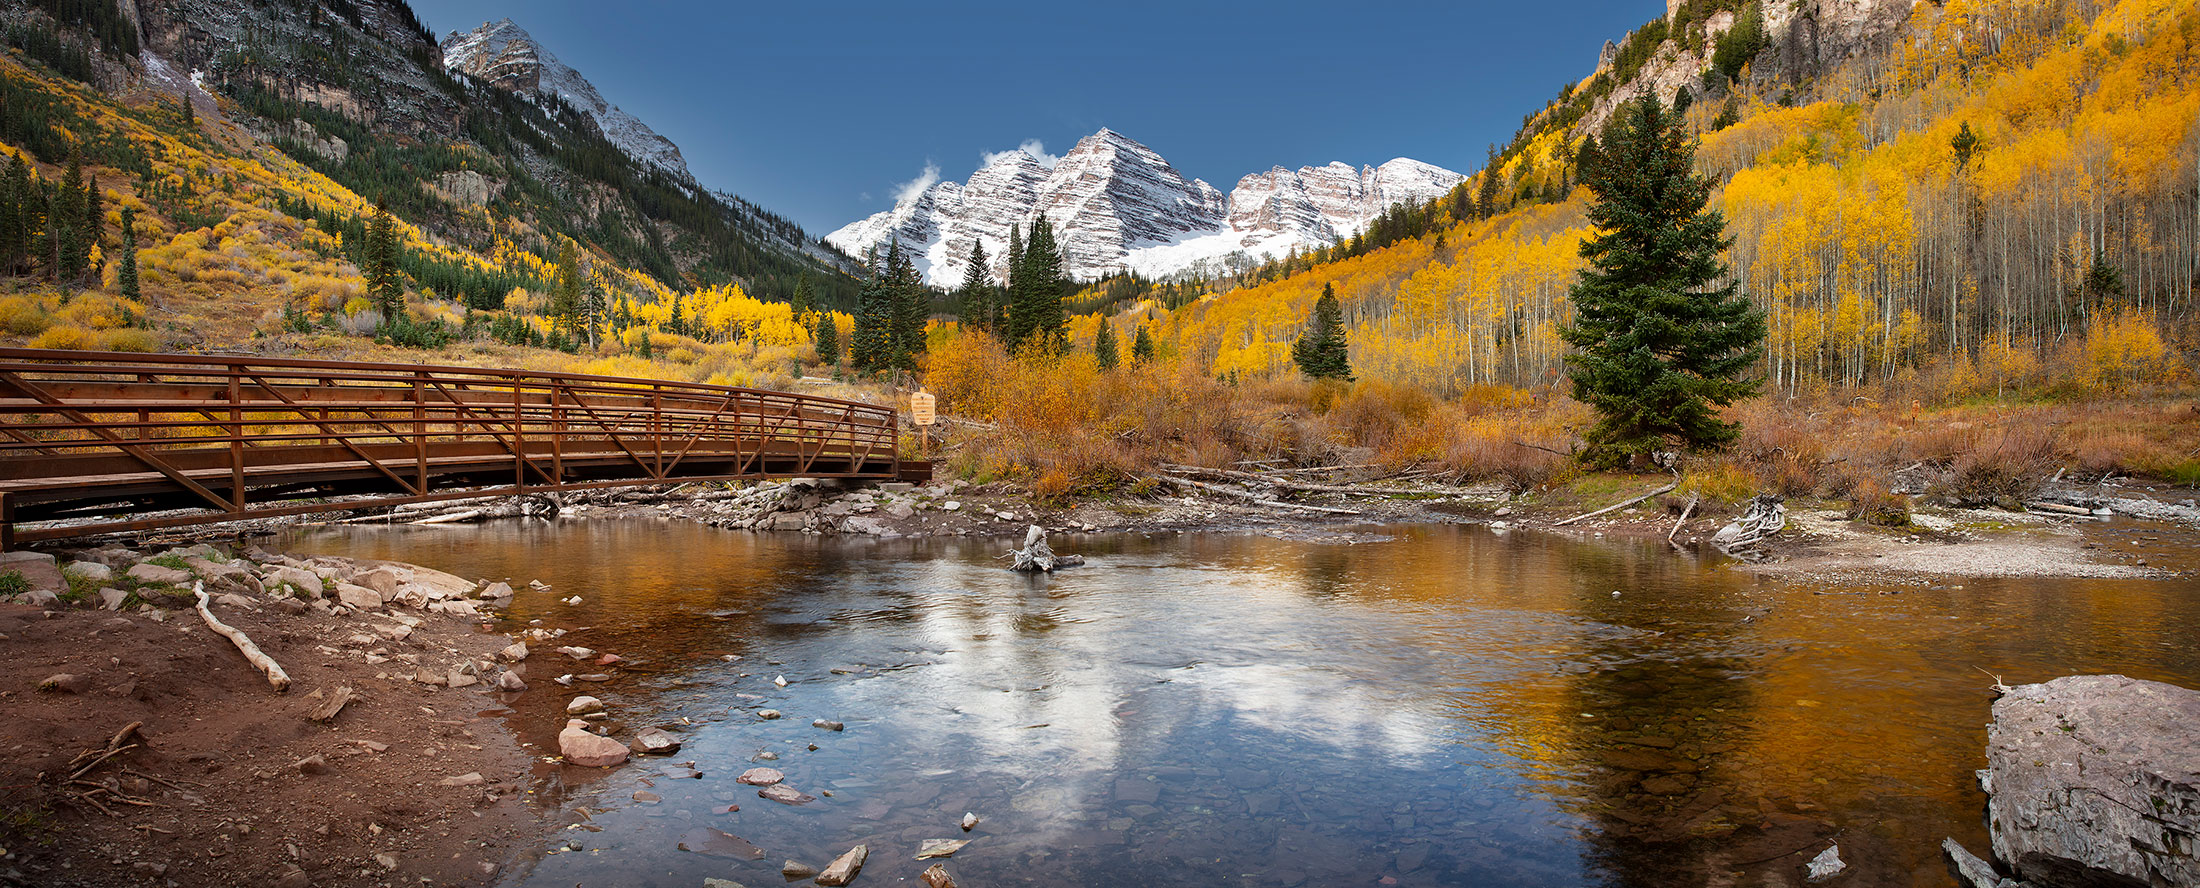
(760, 777)
(589, 750)
(2095, 780)
(654, 741)
(844, 868)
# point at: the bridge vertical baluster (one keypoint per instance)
(236, 438)
(420, 428)
(557, 431)
(657, 427)
(519, 438)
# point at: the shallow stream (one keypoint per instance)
(1421, 705)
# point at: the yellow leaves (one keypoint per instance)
(2124, 347)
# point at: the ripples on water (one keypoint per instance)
(1442, 706)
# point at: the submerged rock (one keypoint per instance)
(654, 741)
(760, 777)
(2095, 780)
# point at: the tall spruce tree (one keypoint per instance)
(804, 299)
(870, 344)
(126, 275)
(974, 301)
(1040, 300)
(1017, 325)
(383, 286)
(827, 335)
(71, 250)
(1663, 335)
(1104, 345)
(14, 214)
(1142, 345)
(912, 306)
(1321, 351)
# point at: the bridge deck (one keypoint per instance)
(98, 440)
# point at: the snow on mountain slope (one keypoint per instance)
(1116, 205)
(504, 55)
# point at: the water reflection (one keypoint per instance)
(1440, 706)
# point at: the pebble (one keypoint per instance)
(471, 779)
(828, 725)
(312, 764)
(767, 714)
(795, 869)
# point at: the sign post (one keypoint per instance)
(921, 413)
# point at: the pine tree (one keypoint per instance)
(126, 276)
(974, 302)
(1142, 346)
(1017, 325)
(1965, 144)
(383, 286)
(95, 213)
(1039, 296)
(1486, 193)
(804, 300)
(828, 339)
(911, 305)
(870, 344)
(565, 307)
(71, 252)
(1321, 351)
(12, 214)
(1104, 345)
(1661, 330)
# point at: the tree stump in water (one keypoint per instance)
(1036, 556)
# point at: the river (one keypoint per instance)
(1416, 705)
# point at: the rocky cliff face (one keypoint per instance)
(325, 58)
(503, 55)
(1117, 205)
(1806, 39)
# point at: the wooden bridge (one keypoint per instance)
(97, 442)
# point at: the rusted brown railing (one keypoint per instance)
(91, 442)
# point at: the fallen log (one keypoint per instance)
(1350, 489)
(2059, 508)
(452, 517)
(1669, 488)
(275, 674)
(1254, 498)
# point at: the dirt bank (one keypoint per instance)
(225, 781)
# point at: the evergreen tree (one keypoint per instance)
(383, 286)
(1142, 346)
(974, 302)
(126, 277)
(1486, 197)
(1017, 325)
(804, 300)
(1965, 145)
(911, 305)
(828, 339)
(14, 214)
(565, 307)
(1039, 291)
(95, 213)
(71, 251)
(870, 344)
(1321, 351)
(1104, 345)
(1661, 330)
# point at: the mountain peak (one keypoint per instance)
(502, 54)
(1117, 205)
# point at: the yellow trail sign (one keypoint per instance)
(920, 408)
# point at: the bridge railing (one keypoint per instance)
(89, 436)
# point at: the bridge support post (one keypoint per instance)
(7, 522)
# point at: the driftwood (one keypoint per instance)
(334, 705)
(1691, 510)
(1254, 498)
(275, 674)
(1036, 556)
(1350, 489)
(1766, 516)
(2059, 509)
(1669, 488)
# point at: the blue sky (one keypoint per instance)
(820, 111)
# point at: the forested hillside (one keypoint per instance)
(2007, 194)
(251, 148)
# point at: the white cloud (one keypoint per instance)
(1033, 147)
(913, 188)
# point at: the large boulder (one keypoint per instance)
(2095, 780)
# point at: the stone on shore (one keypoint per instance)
(844, 868)
(514, 652)
(36, 568)
(510, 681)
(305, 583)
(2095, 780)
(148, 572)
(579, 747)
(359, 597)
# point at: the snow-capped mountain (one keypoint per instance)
(1117, 206)
(505, 56)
